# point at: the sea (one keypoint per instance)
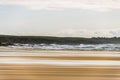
(109, 47)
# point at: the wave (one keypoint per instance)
(68, 47)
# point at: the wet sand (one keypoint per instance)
(59, 65)
(47, 72)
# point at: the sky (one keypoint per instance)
(64, 18)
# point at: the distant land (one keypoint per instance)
(11, 40)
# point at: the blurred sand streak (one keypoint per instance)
(57, 72)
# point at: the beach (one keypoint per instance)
(59, 40)
(25, 64)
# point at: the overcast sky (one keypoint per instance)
(67, 18)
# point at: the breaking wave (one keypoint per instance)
(68, 47)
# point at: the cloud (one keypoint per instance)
(97, 5)
(89, 33)
(115, 33)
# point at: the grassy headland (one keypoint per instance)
(10, 40)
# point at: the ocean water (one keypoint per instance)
(68, 47)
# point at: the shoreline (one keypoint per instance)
(27, 49)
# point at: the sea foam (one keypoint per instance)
(68, 47)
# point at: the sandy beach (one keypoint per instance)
(18, 64)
